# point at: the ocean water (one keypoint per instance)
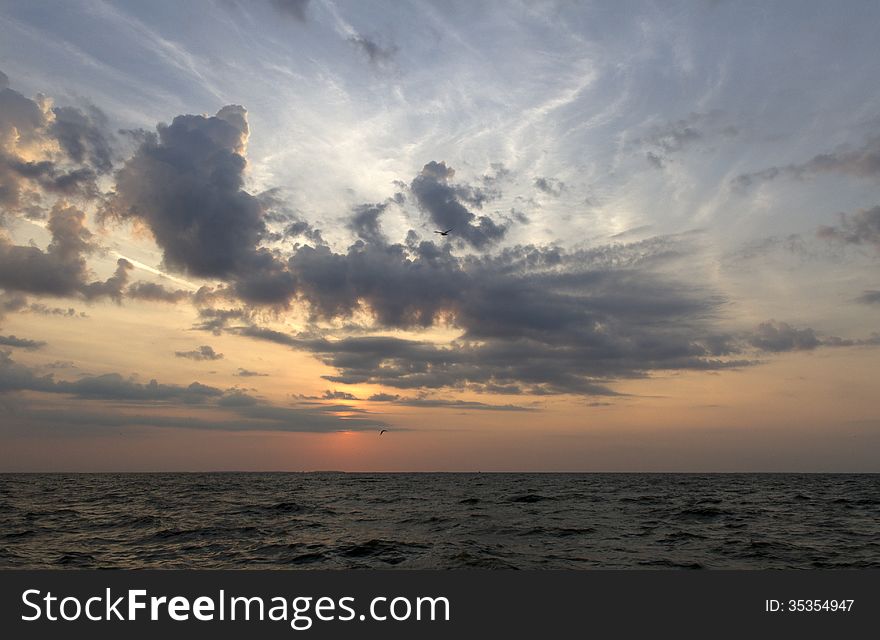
(446, 521)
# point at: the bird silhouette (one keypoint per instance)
(445, 233)
(383, 431)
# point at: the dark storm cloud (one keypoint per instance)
(365, 223)
(61, 269)
(301, 228)
(268, 281)
(155, 292)
(441, 199)
(21, 343)
(781, 336)
(862, 227)
(869, 297)
(205, 352)
(863, 162)
(375, 53)
(398, 285)
(186, 184)
(498, 366)
(533, 319)
(113, 286)
(84, 136)
(50, 177)
(295, 9)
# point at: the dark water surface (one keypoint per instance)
(337, 520)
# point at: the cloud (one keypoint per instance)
(46, 151)
(869, 297)
(277, 211)
(11, 302)
(84, 135)
(113, 286)
(778, 337)
(375, 53)
(862, 227)
(365, 223)
(237, 398)
(675, 136)
(245, 373)
(532, 319)
(435, 403)
(42, 309)
(550, 186)
(186, 184)
(106, 392)
(154, 292)
(398, 285)
(665, 140)
(793, 244)
(301, 228)
(441, 199)
(383, 397)
(498, 174)
(111, 386)
(863, 162)
(338, 395)
(215, 320)
(655, 160)
(237, 417)
(61, 269)
(22, 120)
(204, 352)
(47, 175)
(21, 343)
(781, 336)
(295, 9)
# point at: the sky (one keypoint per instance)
(218, 247)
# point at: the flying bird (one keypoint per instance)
(383, 431)
(445, 233)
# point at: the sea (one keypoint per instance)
(439, 521)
